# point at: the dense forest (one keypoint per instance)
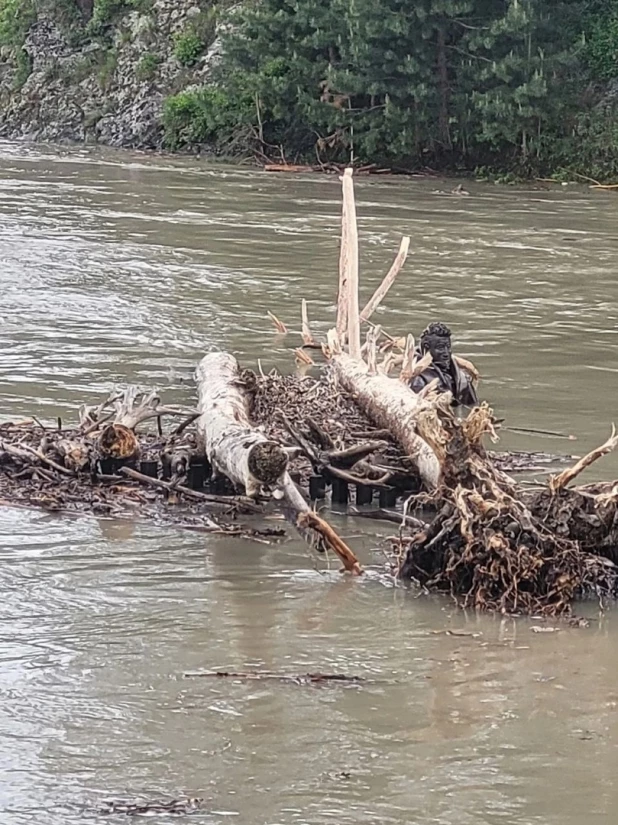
(515, 85)
(512, 86)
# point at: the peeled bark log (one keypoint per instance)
(233, 447)
(391, 405)
(246, 456)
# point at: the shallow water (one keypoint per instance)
(118, 268)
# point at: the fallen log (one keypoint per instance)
(392, 406)
(389, 403)
(238, 450)
(490, 545)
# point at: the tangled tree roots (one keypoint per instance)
(490, 547)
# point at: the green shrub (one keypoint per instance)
(600, 50)
(188, 46)
(198, 116)
(16, 17)
(103, 13)
(147, 67)
(107, 68)
(106, 11)
(24, 69)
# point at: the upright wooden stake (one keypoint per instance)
(307, 335)
(347, 304)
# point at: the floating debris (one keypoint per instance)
(175, 807)
(294, 678)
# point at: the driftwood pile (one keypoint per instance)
(491, 544)
(67, 470)
(265, 444)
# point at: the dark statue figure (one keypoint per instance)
(436, 339)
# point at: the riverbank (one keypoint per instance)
(137, 74)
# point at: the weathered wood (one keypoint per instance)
(388, 403)
(246, 456)
(349, 264)
(134, 407)
(307, 335)
(564, 478)
(389, 279)
(392, 406)
(233, 447)
(75, 454)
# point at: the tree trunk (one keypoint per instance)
(233, 447)
(443, 85)
(247, 457)
(392, 405)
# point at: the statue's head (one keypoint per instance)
(436, 339)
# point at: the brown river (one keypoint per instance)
(118, 268)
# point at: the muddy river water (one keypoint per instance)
(120, 268)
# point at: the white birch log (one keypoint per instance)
(233, 447)
(392, 406)
(247, 457)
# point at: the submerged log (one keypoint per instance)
(236, 449)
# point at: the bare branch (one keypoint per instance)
(380, 293)
(560, 481)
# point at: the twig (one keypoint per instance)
(305, 445)
(407, 365)
(391, 516)
(239, 501)
(186, 423)
(320, 435)
(19, 453)
(308, 339)
(380, 293)
(299, 679)
(352, 478)
(279, 325)
(355, 453)
(373, 333)
(303, 358)
(96, 424)
(309, 519)
(547, 433)
(385, 434)
(583, 177)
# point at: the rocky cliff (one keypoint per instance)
(104, 81)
